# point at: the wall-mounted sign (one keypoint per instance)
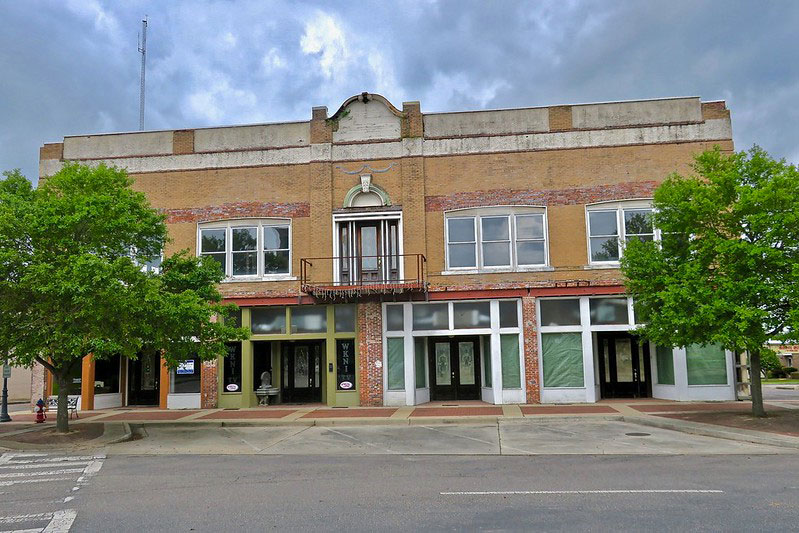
(345, 364)
(232, 387)
(186, 367)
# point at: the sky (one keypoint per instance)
(72, 66)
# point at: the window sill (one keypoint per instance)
(260, 280)
(497, 270)
(603, 266)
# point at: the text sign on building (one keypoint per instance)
(186, 367)
(345, 364)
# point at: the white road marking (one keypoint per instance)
(61, 522)
(55, 459)
(621, 491)
(91, 469)
(37, 530)
(39, 480)
(25, 518)
(16, 466)
(45, 473)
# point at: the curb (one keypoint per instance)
(719, 432)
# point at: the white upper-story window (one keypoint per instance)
(248, 249)
(496, 239)
(611, 224)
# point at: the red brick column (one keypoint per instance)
(370, 353)
(208, 384)
(530, 350)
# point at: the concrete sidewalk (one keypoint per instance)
(648, 413)
(451, 412)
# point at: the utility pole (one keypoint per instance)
(4, 407)
(143, 51)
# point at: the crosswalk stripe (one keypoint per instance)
(45, 473)
(25, 518)
(15, 466)
(38, 480)
(55, 459)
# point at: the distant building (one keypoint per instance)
(385, 256)
(788, 353)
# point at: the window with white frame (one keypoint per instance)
(611, 224)
(248, 249)
(496, 238)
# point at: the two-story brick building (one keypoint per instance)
(393, 257)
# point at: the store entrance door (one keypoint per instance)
(144, 375)
(454, 368)
(302, 371)
(624, 366)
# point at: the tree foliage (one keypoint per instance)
(728, 268)
(71, 283)
(769, 362)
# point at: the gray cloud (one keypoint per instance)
(72, 67)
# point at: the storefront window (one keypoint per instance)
(707, 365)
(73, 380)
(394, 318)
(486, 360)
(345, 364)
(430, 316)
(508, 314)
(396, 363)
(345, 318)
(560, 312)
(471, 315)
(664, 359)
(262, 365)
(609, 311)
(268, 320)
(231, 369)
(421, 362)
(186, 377)
(511, 373)
(562, 355)
(308, 319)
(106, 375)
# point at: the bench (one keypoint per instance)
(72, 405)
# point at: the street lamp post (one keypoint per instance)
(4, 409)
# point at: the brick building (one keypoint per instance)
(393, 257)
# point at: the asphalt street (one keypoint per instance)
(437, 493)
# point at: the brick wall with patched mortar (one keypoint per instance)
(370, 359)
(208, 384)
(530, 333)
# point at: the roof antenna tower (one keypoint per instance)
(143, 50)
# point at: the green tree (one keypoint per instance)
(71, 283)
(728, 268)
(769, 362)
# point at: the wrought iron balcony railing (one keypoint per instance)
(352, 277)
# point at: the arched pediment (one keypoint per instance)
(367, 116)
(367, 194)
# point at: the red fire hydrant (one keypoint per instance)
(39, 410)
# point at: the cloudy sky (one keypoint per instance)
(72, 66)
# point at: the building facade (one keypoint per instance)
(385, 256)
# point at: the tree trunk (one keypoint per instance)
(62, 416)
(755, 385)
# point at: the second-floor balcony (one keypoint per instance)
(348, 278)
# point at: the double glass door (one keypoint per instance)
(454, 368)
(302, 371)
(624, 366)
(368, 251)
